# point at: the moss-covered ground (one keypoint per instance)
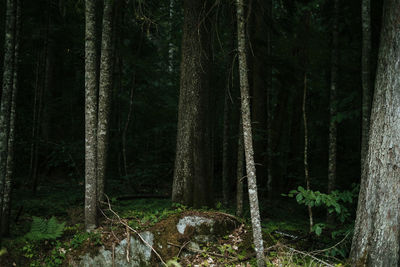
(285, 230)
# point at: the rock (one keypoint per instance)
(139, 254)
(166, 237)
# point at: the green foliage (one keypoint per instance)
(57, 255)
(335, 202)
(81, 237)
(42, 229)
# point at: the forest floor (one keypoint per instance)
(285, 230)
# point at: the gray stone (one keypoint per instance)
(139, 254)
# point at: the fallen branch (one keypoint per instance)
(307, 255)
(130, 228)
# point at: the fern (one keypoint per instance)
(42, 229)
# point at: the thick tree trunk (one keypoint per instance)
(105, 87)
(6, 99)
(247, 133)
(333, 103)
(377, 234)
(5, 223)
(90, 117)
(192, 174)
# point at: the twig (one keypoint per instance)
(308, 255)
(128, 246)
(180, 250)
(326, 249)
(130, 228)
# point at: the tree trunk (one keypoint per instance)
(192, 174)
(259, 86)
(366, 87)
(6, 99)
(376, 235)
(225, 146)
(306, 170)
(268, 151)
(247, 133)
(105, 87)
(90, 117)
(333, 104)
(239, 173)
(5, 223)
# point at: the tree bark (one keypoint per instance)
(225, 146)
(5, 223)
(247, 133)
(365, 76)
(90, 117)
(6, 99)
(306, 169)
(239, 173)
(192, 173)
(376, 235)
(333, 103)
(367, 88)
(105, 87)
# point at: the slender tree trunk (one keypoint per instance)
(90, 118)
(192, 174)
(366, 76)
(366, 87)
(105, 87)
(376, 240)
(171, 49)
(333, 101)
(268, 155)
(41, 86)
(225, 146)
(247, 133)
(5, 112)
(239, 173)
(5, 223)
(306, 171)
(6, 99)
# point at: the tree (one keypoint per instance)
(6, 208)
(192, 172)
(6, 99)
(90, 117)
(333, 100)
(247, 134)
(365, 78)
(105, 86)
(377, 234)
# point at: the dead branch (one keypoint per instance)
(121, 221)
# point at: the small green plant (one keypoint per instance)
(42, 229)
(335, 202)
(57, 255)
(28, 250)
(226, 248)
